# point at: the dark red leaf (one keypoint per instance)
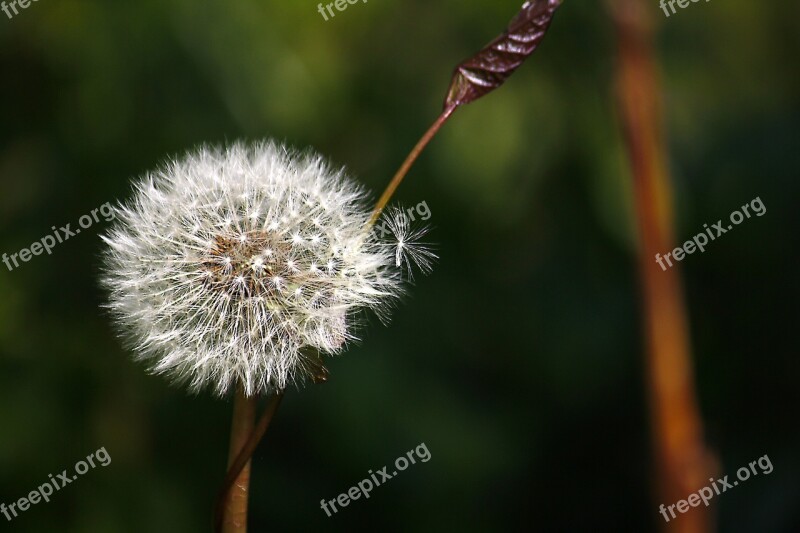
(490, 68)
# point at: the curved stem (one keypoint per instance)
(230, 514)
(406, 166)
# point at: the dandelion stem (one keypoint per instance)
(231, 509)
(410, 159)
(233, 500)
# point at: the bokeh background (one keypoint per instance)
(518, 361)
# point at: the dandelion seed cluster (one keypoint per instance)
(239, 265)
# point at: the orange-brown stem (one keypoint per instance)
(683, 463)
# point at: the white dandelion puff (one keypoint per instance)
(239, 265)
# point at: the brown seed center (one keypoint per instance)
(255, 263)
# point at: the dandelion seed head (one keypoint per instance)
(230, 265)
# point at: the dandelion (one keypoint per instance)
(239, 266)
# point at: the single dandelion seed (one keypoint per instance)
(410, 250)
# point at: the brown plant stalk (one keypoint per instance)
(682, 462)
(408, 163)
(230, 514)
(233, 517)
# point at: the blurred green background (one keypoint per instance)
(518, 362)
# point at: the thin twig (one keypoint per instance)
(406, 166)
